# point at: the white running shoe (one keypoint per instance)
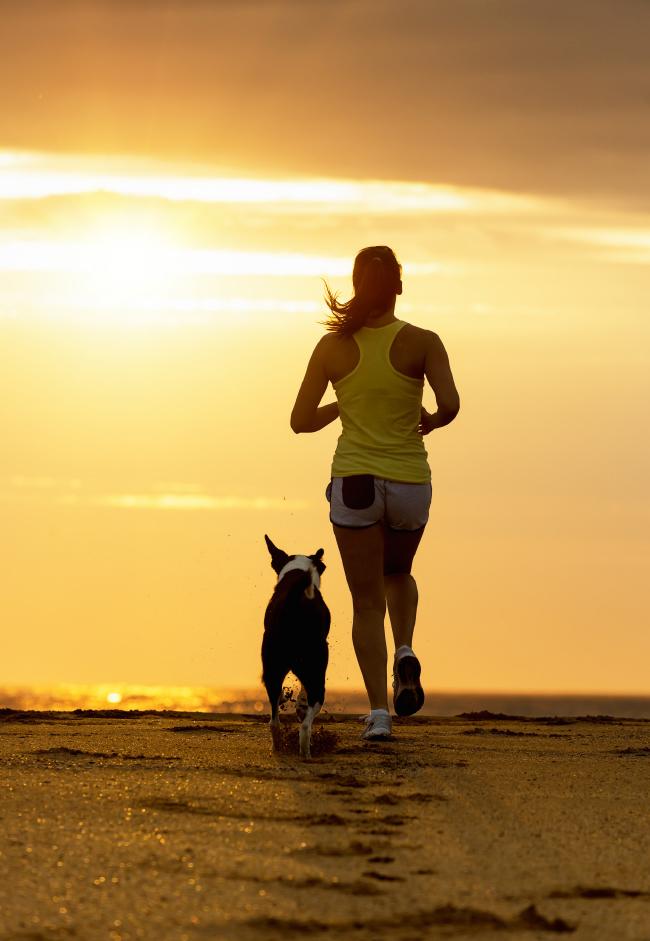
(379, 726)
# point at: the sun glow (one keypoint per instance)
(135, 259)
(119, 262)
(134, 269)
(131, 242)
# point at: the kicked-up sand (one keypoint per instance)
(118, 826)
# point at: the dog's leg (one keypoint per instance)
(305, 730)
(274, 727)
(301, 704)
(273, 684)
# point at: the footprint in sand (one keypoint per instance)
(382, 876)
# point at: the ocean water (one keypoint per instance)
(206, 699)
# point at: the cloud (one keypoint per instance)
(181, 501)
(30, 175)
(513, 95)
(70, 492)
(71, 256)
(615, 244)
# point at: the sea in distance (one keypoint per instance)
(206, 699)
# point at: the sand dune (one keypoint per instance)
(184, 826)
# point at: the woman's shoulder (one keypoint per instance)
(332, 343)
(336, 355)
(420, 335)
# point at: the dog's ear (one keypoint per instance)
(270, 545)
(317, 560)
(278, 558)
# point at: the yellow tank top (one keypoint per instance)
(380, 411)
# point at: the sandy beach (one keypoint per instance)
(118, 826)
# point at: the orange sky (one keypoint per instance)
(513, 94)
(174, 182)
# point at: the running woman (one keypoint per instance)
(380, 487)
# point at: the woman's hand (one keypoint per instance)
(438, 419)
(319, 419)
(426, 422)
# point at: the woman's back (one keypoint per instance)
(379, 403)
(407, 352)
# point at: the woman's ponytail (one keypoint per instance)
(376, 279)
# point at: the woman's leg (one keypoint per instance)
(400, 587)
(402, 596)
(362, 554)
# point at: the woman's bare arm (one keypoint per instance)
(306, 415)
(438, 373)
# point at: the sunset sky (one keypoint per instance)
(175, 181)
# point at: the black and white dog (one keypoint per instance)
(296, 625)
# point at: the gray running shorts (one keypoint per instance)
(363, 500)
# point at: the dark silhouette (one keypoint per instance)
(296, 625)
(380, 487)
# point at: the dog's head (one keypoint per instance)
(282, 562)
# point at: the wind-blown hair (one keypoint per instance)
(376, 279)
